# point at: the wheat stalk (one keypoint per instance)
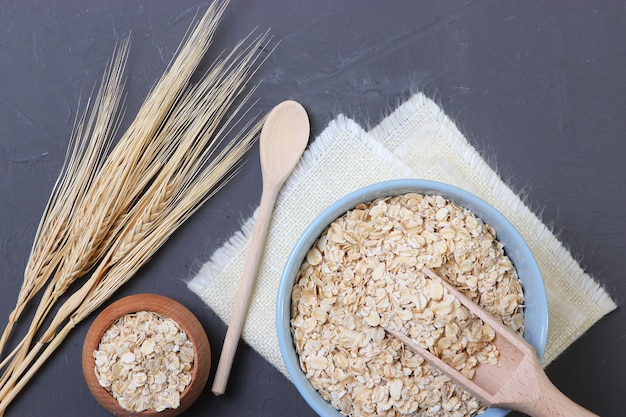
(108, 191)
(83, 160)
(91, 138)
(171, 199)
(170, 160)
(135, 160)
(58, 216)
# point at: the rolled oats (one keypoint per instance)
(364, 273)
(145, 361)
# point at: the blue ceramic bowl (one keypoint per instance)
(535, 300)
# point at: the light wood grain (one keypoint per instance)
(284, 137)
(166, 307)
(518, 382)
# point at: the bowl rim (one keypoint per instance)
(168, 308)
(505, 232)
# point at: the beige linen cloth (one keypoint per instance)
(416, 141)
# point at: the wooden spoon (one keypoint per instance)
(518, 382)
(284, 137)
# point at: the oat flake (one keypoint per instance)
(363, 274)
(145, 361)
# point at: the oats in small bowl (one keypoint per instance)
(357, 269)
(146, 355)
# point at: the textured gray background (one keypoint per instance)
(538, 87)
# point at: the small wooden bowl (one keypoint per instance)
(166, 307)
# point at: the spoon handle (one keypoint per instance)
(240, 304)
(550, 402)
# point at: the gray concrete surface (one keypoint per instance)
(538, 87)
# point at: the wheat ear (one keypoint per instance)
(114, 186)
(93, 136)
(187, 175)
(160, 212)
(82, 161)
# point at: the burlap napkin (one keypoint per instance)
(415, 141)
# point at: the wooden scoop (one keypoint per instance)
(284, 137)
(518, 382)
